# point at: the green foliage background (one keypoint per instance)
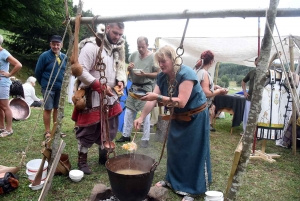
(28, 25)
(231, 72)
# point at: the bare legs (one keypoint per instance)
(2, 118)
(5, 113)
(47, 118)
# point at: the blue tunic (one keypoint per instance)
(188, 145)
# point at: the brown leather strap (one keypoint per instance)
(185, 116)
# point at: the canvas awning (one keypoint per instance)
(237, 50)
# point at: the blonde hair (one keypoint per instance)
(169, 52)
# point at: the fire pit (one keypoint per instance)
(133, 187)
(101, 192)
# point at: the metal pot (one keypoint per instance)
(131, 187)
(19, 108)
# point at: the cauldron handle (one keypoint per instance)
(153, 167)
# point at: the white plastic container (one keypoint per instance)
(76, 175)
(33, 166)
(214, 196)
(37, 187)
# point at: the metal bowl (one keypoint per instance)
(20, 109)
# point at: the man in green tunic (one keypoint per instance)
(142, 60)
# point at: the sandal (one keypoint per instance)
(187, 198)
(161, 184)
(62, 135)
(47, 134)
(6, 133)
(2, 130)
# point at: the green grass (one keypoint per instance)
(262, 181)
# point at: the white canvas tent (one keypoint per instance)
(237, 50)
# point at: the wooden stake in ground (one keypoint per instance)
(255, 108)
(49, 178)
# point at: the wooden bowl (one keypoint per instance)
(137, 93)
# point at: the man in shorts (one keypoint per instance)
(49, 72)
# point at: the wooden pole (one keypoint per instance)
(283, 12)
(258, 38)
(63, 93)
(51, 172)
(216, 73)
(292, 68)
(255, 103)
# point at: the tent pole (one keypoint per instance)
(216, 73)
(282, 12)
(258, 38)
(292, 68)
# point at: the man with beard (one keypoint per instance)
(89, 119)
(142, 60)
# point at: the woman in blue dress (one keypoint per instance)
(188, 146)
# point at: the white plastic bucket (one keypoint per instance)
(214, 196)
(33, 166)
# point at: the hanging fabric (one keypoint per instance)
(275, 107)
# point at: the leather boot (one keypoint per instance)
(82, 163)
(102, 156)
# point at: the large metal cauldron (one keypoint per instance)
(131, 187)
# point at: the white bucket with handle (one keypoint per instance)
(32, 168)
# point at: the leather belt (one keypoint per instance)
(185, 116)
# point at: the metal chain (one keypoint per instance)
(101, 67)
(171, 89)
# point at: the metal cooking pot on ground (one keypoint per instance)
(19, 108)
(131, 187)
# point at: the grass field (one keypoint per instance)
(263, 180)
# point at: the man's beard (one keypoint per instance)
(109, 39)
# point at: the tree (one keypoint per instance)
(239, 80)
(255, 102)
(126, 50)
(84, 30)
(225, 80)
(32, 22)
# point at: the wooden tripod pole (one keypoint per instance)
(292, 67)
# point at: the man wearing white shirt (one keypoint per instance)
(29, 93)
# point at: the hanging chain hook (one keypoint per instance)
(183, 36)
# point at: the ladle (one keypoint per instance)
(132, 142)
(135, 131)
